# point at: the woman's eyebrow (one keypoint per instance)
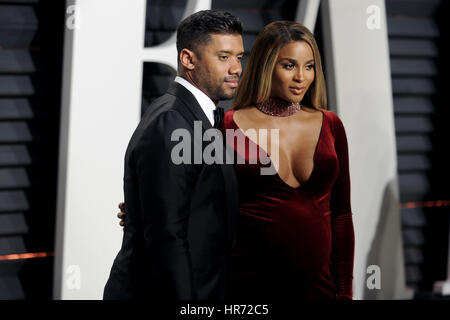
(293, 61)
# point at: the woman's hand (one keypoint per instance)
(121, 214)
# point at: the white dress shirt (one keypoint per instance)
(203, 100)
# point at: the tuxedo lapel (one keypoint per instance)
(190, 103)
(192, 110)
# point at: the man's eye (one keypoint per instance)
(223, 57)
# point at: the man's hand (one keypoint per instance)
(121, 214)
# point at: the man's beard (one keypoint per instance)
(217, 91)
(221, 94)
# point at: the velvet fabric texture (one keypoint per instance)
(294, 242)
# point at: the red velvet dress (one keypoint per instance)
(294, 242)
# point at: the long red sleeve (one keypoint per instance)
(341, 219)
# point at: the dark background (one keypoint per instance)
(31, 42)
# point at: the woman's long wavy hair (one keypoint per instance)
(256, 82)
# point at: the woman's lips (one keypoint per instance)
(297, 90)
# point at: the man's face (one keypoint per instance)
(218, 66)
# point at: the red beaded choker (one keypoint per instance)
(278, 108)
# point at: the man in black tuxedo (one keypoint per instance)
(181, 217)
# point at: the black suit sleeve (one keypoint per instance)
(165, 192)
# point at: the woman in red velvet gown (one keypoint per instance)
(295, 236)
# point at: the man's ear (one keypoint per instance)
(188, 59)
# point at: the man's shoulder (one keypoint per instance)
(167, 106)
(160, 105)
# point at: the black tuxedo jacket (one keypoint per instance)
(180, 219)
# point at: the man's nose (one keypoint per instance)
(236, 67)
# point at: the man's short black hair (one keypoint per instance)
(196, 29)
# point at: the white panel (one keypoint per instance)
(358, 74)
(307, 11)
(101, 107)
(101, 104)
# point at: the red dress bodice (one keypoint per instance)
(293, 242)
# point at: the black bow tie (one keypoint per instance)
(218, 117)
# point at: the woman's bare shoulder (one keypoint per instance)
(245, 113)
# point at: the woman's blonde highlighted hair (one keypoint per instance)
(256, 82)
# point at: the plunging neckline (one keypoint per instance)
(270, 159)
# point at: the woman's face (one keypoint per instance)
(294, 72)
